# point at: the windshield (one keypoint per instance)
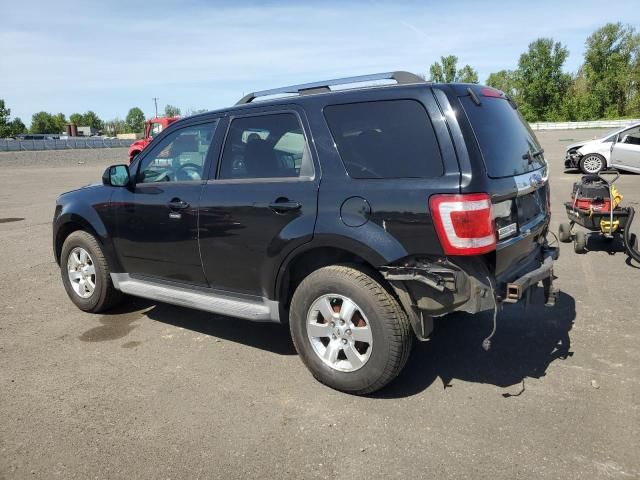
(508, 145)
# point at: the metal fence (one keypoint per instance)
(7, 145)
(576, 125)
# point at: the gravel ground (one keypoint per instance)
(155, 391)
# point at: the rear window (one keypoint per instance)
(385, 139)
(504, 137)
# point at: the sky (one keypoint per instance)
(108, 56)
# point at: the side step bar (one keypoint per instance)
(256, 308)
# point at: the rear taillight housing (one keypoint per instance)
(464, 223)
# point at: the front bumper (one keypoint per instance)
(572, 159)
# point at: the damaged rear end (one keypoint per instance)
(494, 232)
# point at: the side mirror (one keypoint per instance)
(116, 176)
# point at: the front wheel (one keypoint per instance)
(349, 331)
(85, 274)
(592, 163)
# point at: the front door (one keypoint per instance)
(260, 204)
(157, 219)
(626, 151)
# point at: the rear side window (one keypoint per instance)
(385, 139)
(266, 146)
(504, 137)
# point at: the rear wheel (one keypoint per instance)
(580, 242)
(592, 163)
(85, 273)
(349, 331)
(564, 232)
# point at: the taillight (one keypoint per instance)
(464, 223)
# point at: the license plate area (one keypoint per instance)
(530, 206)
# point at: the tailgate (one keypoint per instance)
(516, 177)
(521, 219)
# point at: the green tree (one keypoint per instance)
(91, 119)
(171, 111)
(503, 80)
(611, 69)
(446, 71)
(467, 75)
(60, 121)
(540, 81)
(578, 104)
(43, 122)
(135, 120)
(115, 127)
(17, 127)
(5, 113)
(75, 118)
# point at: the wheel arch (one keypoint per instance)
(68, 223)
(321, 253)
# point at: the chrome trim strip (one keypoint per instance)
(260, 310)
(531, 181)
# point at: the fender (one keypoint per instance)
(90, 212)
(390, 250)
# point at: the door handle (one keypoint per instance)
(284, 205)
(177, 204)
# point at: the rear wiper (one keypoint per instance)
(531, 155)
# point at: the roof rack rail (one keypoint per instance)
(402, 78)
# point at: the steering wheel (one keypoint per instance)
(188, 171)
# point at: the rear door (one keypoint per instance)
(261, 203)
(515, 175)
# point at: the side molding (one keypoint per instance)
(214, 301)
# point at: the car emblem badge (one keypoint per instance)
(535, 180)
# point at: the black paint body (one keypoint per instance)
(230, 239)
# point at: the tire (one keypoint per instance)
(372, 307)
(102, 296)
(592, 163)
(564, 232)
(580, 242)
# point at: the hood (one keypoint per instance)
(582, 144)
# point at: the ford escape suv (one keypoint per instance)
(355, 210)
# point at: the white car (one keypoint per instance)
(618, 149)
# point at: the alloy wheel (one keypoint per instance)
(82, 272)
(592, 164)
(339, 332)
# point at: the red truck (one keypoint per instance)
(152, 127)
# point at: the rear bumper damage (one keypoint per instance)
(430, 289)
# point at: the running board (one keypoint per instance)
(259, 310)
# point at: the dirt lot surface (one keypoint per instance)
(155, 391)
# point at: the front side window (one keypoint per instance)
(179, 157)
(266, 146)
(631, 136)
(385, 139)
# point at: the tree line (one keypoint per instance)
(607, 84)
(45, 122)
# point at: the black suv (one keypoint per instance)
(355, 210)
